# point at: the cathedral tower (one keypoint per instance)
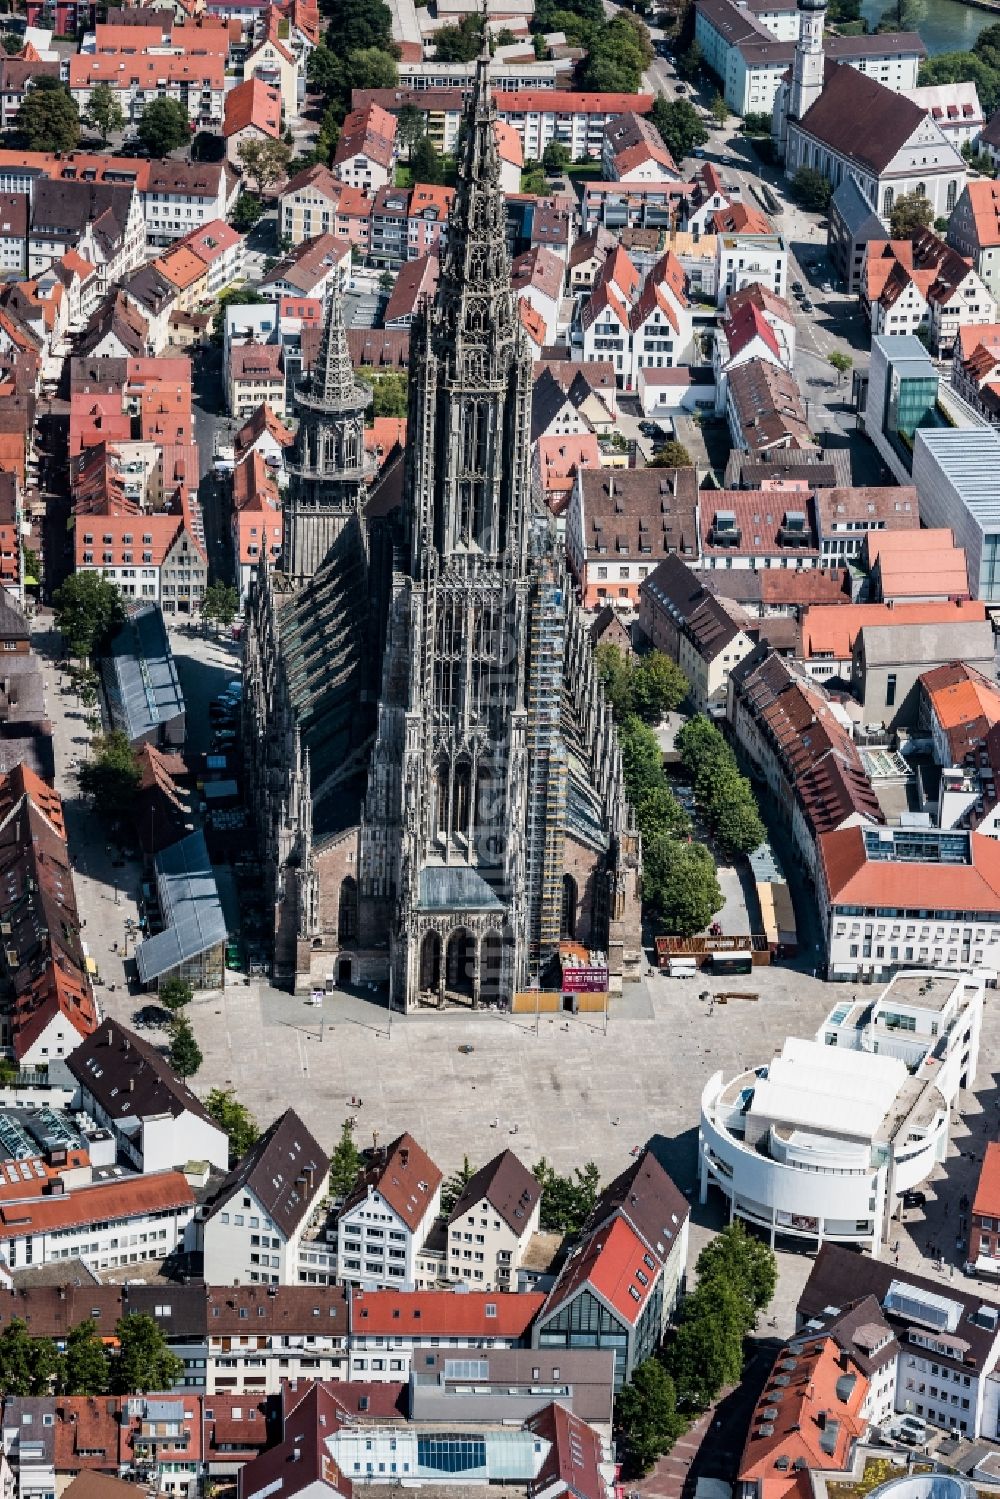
(327, 468)
(808, 67)
(454, 754)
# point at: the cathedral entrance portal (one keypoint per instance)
(344, 972)
(491, 968)
(430, 967)
(460, 967)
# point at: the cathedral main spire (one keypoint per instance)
(475, 274)
(333, 383)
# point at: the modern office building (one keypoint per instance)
(955, 473)
(820, 1143)
(902, 396)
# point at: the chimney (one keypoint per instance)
(404, 1157)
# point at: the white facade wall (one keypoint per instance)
(862, 945)
(484, 1250)
(743, 259)
(375, 1247)
(104, 1245)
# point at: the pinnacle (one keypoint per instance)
(333, 378)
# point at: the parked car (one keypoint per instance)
(807, 305)
(649, 429)
(914, 1199)
(798, 288)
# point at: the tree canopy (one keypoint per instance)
(185, 1054)
(679, 883)
(144, 1362)
(88, 609)
(671, 454)
(811, 190)
(235, 1118)
(345, 1163)
(618, 53)
(724, 795)
(646, 1418)
(567, 1201)
(48, 118)
(679, 125)
(910, 213)
(264, 161)
(647, 686)
(461, 43)
(164, 126)
(455, 1184)
(86, 1369)
(111, 778)
(104, 111)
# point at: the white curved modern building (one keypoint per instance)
(821, 1143)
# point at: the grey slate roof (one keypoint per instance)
(910, 644)
(448, 887)
(854, 210)
(141, 679)
(192, 911)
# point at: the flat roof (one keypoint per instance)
(809, 1084)
(969, 459)
(921, 991)
(192, 911)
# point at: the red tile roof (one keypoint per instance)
(853, 879)
(987, 1200)
(831, 629)
(255, 103)
(371, 131)
(406, 1178)
(476, 1314)
(133, 1196)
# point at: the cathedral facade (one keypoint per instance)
(436, 776)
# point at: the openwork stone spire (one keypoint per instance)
(475, 284)
(334, 384)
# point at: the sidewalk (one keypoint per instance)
(107, 883)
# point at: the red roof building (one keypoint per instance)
(984, 1230)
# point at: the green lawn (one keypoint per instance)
(404, 176)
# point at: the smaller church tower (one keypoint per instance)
(327, 471)
(808, 67)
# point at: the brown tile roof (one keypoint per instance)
(539, 268)
(416, 279)
(131, 1197)
(406, 1178)
(641, 513)
(769, 407)
(118, 1068)
(508, 1187)
(861, 119)
(762, 522)
(371, 130)
(474, 1314)
(687, 595)
(817, 754)
(283, 1170)
(893, 507)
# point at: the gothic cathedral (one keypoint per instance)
(436, 777)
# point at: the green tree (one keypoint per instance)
(174, 994)
(345, 1163)
(738, 1259)
(614, 670)
(324, 70)
(642, 757)
(461, 43)
(567, 1201)
(646, 1418)
(811, 190)
(112, 777)
(735, 820)
(910, 213)
(556, 157)
(28, 1366)
(388, 390)
(706, 1353)
(235, 1118)
(85, 1368)
(88, 609)
(264, 161)
(48, 119)
(456, 1184)
(842, 363)
(220, 604)
(672, 454)
(144, 1361)
(657, 810)
(703, 751)
(185, 1053)
(658, 686)
(370, 67)
(12, 44)
(680, 128)
(843, 12)
(164, 126)
(689, 64)
(719, 109)
(755, 123)
(356, 24)
(410, 127)
(679, 883)
(425, 162)
(247, 212)
(104, 111)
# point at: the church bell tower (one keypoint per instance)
(809, 65)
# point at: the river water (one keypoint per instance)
(946, 25)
